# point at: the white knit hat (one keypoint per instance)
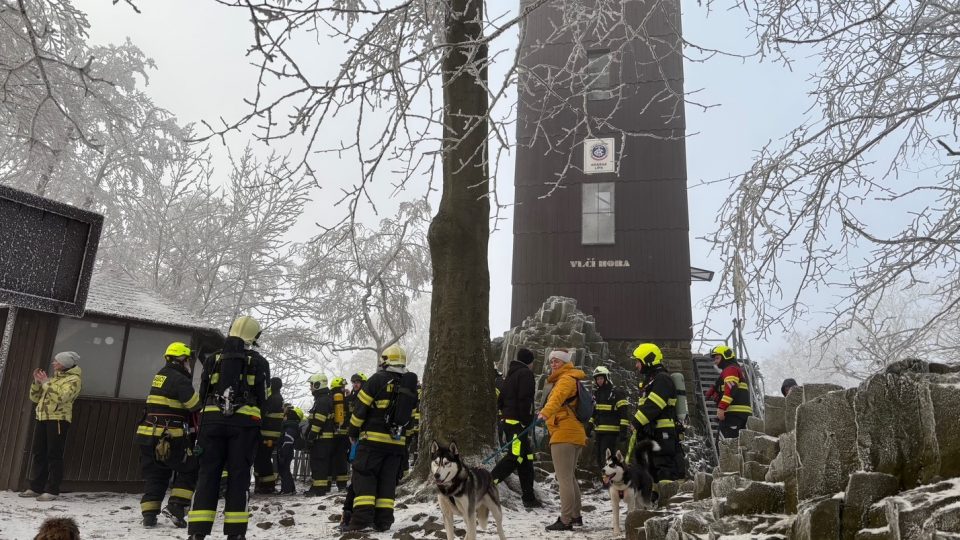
(561, 355)
(67, 359)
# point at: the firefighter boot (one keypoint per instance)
(176, 513)
(149, 521)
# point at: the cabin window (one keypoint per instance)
(597, 75)
(144, 358)
(598, 213)
(100, 346)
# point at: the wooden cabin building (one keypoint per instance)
(121, 339)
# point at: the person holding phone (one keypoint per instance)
(54, 397)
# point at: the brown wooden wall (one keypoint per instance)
(100, 452)
(650, 299)
(31, 347)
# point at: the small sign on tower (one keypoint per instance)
(599, 156)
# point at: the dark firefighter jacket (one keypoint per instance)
(170, 403)
(657, 406)
(321, 416)
(251, 376)
(730, 390)
(368, 422)
(611, 413)
(519, 388)
(414, 426)
(271, 427)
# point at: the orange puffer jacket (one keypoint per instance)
(561, 420)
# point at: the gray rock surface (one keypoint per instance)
(774, 415)
(634, 525)
(863, 490)
(912, 512)
(701, 486)
(818, 519)
(945, 398)
(755, 424)
(793, 400)
(826, 444)
(755, 498)
(812, 391)
(896, 429)
(753, 470)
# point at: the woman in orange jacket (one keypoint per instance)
(567, 436)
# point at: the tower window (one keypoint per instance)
(598, 213)
(597, 75)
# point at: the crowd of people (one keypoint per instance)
(200, 444)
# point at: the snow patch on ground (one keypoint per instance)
(117, 516)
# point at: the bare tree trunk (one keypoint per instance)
(458, 394)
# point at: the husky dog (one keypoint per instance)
(631, 483)
(467, 491)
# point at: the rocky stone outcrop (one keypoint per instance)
(774, 416)
(818, 519)
(754, 498)
(701, 486)
(826, 443)
(863, 490)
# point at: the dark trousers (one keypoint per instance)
(156, 477)
(339, 461)
(321, 456)
(284, 460)
(49, 439)
(231, 446)
(732, 423)
(375, 473)
(264, 475)
(519, 458)
(667, 463)
(603, 441)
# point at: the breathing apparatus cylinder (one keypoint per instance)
(681, 388)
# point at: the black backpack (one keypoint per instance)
(585, 403)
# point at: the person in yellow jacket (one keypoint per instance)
(568, 436)
(54, 397)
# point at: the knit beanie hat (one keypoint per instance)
(525, 356)
(563, 356)
(67, 359)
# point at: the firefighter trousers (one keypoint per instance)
(233, 447)
(264, 475)
(339, 463)
(603, 441)
(519, 458)
(375, 473)
(321, 458)
(156, 477)
(284, 460)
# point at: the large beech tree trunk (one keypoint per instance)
(458, 394)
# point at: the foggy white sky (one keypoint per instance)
(202, 73)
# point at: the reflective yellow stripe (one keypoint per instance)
(624, 422)
(601, 407)
(249, 410)
(275, 415)
(197, 516)
(364, 500)
(652, 396)
(267, 479)
(153, 431)
(672, 402)
(666, 423)
(270, 434)
(383, 503)
(743, 386)
(149, 506)
(236, 517)
(375, 436)
(315, 429)
(251, 380)
(511, 422)
(343, 478)
(355, 421)
(327, 435)
(193, 401)
(215, 378)
(365, 398)
(608, 429)
(740, 409)
(731, 378)
(622, 403)
(320, 417)
(166, 402)
(320, 483)
(727, 399)
(382, 403)
(515, 446)
(642, 418)
(211, 408)
(182, 493)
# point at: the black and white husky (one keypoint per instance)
(632, 483)
(467, 491)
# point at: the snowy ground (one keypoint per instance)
(115, 516)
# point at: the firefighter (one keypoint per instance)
(319, 437)
(516, 401)
(271, 427)
(656, 414)
(340, 466)
(164, 438)
(233, 389)
(382, 445)
(291, 434)
(730, 392)
(610, 423)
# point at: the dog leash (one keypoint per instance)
(509, 443)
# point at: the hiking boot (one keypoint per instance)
(355, 527)
(176, 514)
(577, 521)
(559, 525)
(46, 497)
(381, 528)
(149, 521)
(532, 503)
(28, 493)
